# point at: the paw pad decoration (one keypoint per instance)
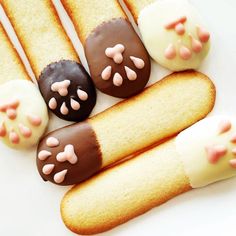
(116, 54)
(216, 152)
(23, 114)
(180, 49)
(10, 109)
(68, 155)
(62, 89)
(68, 90)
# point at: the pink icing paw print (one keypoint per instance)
(10, 109)
(216, 152)
(185, 52)
(116, 54)
(67, 156)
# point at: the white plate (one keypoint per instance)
(30, 207)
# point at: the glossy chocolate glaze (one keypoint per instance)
(109, 34)
(86, 148)
(79, 78)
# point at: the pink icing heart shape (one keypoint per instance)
(68, 155)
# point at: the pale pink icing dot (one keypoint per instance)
(34, 120)
(203, 35)
(64, 110)
(68, 155)
(233, 163)
(25, 131)
(233, 139)
(3, 130)
(52, 103)
(117, 80)
(224, 126)
(196, 45)
(47, 169)
(131, 75)
(14, 137)
(172, 24)
(106, 74)
(43, 155)
(116, 53)
(82, 95)
(180, 29)
(185, 53)
(11, 113)
(139, 63)
(234, 151)
(170, 52)
(60, 176)
(61, 87)
(214, 153)
(52, 142)
(74, 104)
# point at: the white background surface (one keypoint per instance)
(30, 207)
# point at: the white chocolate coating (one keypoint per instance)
(174, 46)
(21, 124)
(193, 146)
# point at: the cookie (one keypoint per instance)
(51, 53)
(74, 153)
(11, 67)
(23, 113)
(200, 155)
(178, 40)
(118, 62)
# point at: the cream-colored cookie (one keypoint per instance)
(201, 155)
(23, 114)
(173, 33)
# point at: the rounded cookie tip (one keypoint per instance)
(179, 41)
(23, 114)
(68, 90)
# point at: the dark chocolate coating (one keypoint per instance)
(86, 147)
(79, 78)
(109, 34)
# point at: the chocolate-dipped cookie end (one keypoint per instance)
(68, 90)
(118, 61)
(62, 160)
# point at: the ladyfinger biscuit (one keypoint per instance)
(74, 153)
(11, 67)
(23, 113)
(201, 155)
(118, 62)
(172, 31)
(64, 83)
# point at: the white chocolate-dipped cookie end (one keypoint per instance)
(208, 150)
(174, 35)
(23, 114)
